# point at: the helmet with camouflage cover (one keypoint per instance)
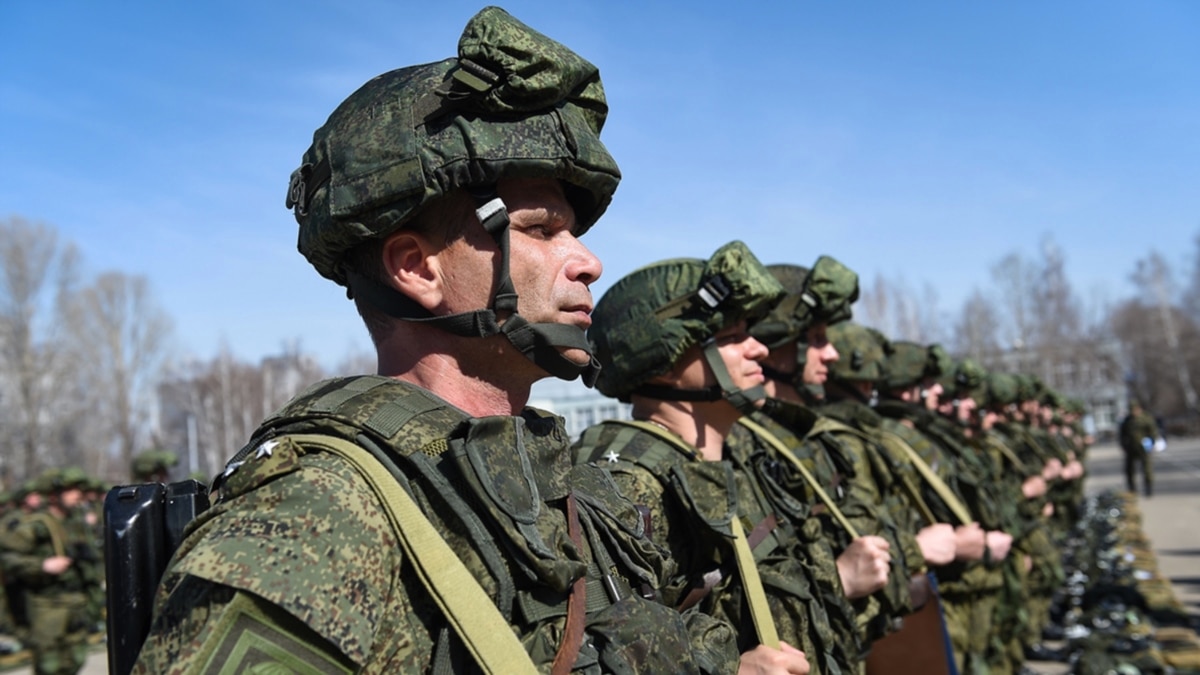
(1001, 390)
(940, 361)
(820, 295)
(646, 321)
(151, 464)
(863, 353)
(970, 380)
(74, 477)
(907, 365)
(513, 104)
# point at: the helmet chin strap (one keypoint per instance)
(745, 400)
(538, 342)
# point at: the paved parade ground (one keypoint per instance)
(1171, 519)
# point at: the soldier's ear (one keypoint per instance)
(413, 267)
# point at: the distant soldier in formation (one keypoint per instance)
(154, 466)
(50, 554)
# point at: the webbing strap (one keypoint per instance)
(756, 596)
(760, 611)
(828, 424)
(948, 497)
(1008, 453)
(58, 536)
(782, 450)
(462, 600)
(655, 430)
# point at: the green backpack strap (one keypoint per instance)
(58, 535)
(462, 600)
(892, 440)
(903, 477)
(756, 595)
(783, 451)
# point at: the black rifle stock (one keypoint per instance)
(144, 525)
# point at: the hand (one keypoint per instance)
(1034, 486)
(864, 566)
(1052, 469)
(56, 565)
(937, 543)
(1048, 510)
(1073, 470)
(999, 543)
(969, 541)
(763, 660)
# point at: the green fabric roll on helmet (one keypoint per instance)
(646, 321)
(513, 104)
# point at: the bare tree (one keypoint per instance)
(1155, 281)
(1014, 277)
(893, 308)
(211, 408)
(976, 334)
(123, 335)
(1056, 310)
(37, 274)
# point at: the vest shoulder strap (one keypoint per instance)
(467, 607)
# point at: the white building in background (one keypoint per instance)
(579, 406)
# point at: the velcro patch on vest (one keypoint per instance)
(246, 640)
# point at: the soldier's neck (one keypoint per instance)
(701, 424)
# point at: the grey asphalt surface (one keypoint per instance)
(1171, 518)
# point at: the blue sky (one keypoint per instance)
(919, 140)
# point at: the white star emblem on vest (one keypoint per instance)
(612, 456)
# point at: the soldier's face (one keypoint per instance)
(966, 406)
(819, 355)
(71, 497)
(740, 353)
(551, 269)
(933, 394)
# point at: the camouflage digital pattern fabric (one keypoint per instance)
(648, 319)
(970, 379)
(862, 350)
(907, 364)
(513, 103)
(691, 503)
(274, 562)
(821, 445)
(55, 606)
(822, 294)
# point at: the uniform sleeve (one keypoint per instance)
(306, 559)
(19, 551)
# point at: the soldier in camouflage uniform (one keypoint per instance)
(154, 466)
(53, 561)
(907, 402)
(837, 480)
(672, 339)
(448, 199)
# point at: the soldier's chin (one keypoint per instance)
(579, 357)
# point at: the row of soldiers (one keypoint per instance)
(51, 562)
(819, 483)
